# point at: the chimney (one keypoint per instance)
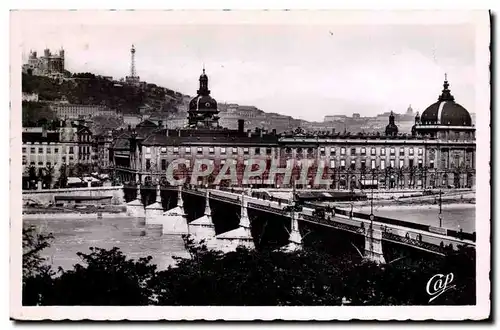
(44, 131)
(160, 124)
(261, 132)
(129, 127)
(274, 131)
(166, 132)
(241, 125)
(249, 132)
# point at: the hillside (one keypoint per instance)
(86, 88)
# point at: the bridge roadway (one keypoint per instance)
(428, 241)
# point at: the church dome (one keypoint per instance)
(203, 103)
(392, 128)
(446, 111)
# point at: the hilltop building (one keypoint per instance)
(50, 65)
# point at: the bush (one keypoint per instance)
(249, 277)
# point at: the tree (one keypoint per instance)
(319, 276)
(36, 274)
(62, 181)
(37, 114)
(32, 176)
(48, 175)
(106, 277)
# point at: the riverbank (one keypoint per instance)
(416, 207)
(72, 216)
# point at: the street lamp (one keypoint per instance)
(440, 210)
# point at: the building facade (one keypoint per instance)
(50, 65)
(46, 150)
(429, 158)
(76, 111)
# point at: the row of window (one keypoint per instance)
(41, 163)
(354, 151)
(47, 150)
(392, 164)
(373, 164)
(211, 150)
(322, 150)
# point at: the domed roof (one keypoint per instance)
(392, 128)
(203, 103)
(446, 111)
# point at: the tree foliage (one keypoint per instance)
(252, 277)
(87, 88)
(38, 114)
(37, 276)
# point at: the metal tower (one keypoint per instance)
(132, 61)
(133, 79)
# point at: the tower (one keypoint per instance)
(203, 112)
(132, 61)
(133, 79)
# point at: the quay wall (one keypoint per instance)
(47, 195)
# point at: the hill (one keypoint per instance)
(87, 88)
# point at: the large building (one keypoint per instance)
(50, 65)
(65, 110)
(43, 149)
(433, 156)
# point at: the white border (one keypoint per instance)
(481, 310)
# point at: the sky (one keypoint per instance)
(306, 71)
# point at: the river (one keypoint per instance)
(454, 216)
(78, 235)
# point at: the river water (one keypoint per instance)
(78, 235)
(454, 216)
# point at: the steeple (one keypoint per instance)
(391, 118)
(203, 84)
(446, 93)
(391, 129)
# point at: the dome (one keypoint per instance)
(446, 111)
(392, 128)
(203, 103)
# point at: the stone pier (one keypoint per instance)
(241, 236)
(295, 239)
(155, 210)
(373, 245)
(174, 221)
(135, 208)
(203, 229)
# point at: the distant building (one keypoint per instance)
(132, 120)
(75, 111)
(356, 116)
(50, 65)
(341, 118)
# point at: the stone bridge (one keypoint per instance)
(225, 219)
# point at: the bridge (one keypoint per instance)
(417, 236)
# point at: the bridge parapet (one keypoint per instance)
(414, 243)
(393, 230)
(270, 209)
(334, 224)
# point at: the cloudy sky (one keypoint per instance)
(307, 71)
